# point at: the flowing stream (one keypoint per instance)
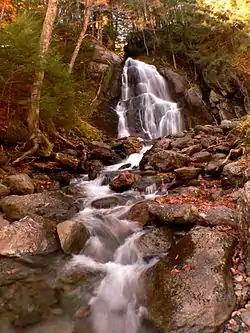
(146, 107)
(111, 249)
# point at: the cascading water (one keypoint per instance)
(111, 250)
(145, 106)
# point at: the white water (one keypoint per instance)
(111, 250)
(145, 96)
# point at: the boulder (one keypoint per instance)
(192, 150)
(194, 98)
(72, 235)
(53, 205)
(163, 160)
(93, 168)
(28, 236)
(176, 82)
(174, 214)
(105, 56)
(234, 174)
(103, 152)
(228, 125)
(66, 160)
(207, 129)
(109, 202)
(155, 242)
(191, 289)
(187, 173)
(181, 143)
(244, 203)
(214, 167)
(220, 215)
(201, 157)
(20, 184)
(123, 182)
(145, 183)
(129, 145)
(139, 213)
(4, 190)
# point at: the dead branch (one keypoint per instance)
(99, 90)
(66, 141)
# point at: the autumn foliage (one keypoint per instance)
(7, 12)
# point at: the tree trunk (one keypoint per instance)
(33, 115)
(86, 20)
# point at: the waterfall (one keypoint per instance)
(145, 107)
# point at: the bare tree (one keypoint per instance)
(87, 13)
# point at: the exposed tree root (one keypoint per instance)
(66, 141)
(27, 153)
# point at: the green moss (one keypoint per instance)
(45, 146)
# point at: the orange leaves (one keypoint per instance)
(7, 12)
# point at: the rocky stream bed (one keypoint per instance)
(148, 244)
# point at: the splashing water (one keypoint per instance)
(145, 106)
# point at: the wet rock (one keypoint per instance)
(144, 184)
(220, 215)
(54, 205)
(28, 236)
(155, 242)
(140, 213)
(174, 214)
(187, 173)
(20, 184)
(201, 157)
(72, 235)
(125, 166)
(187, 288)
(62, 177)
(234, 174)
(162, 144)
(123, 182)
(93, 168)
(109, 202)
(67, 160)
(103, 152)
(4, 190)
(163, 160)
(130, 145)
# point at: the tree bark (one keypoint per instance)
(87, 13)
(33, 115)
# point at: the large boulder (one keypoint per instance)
(20, 184)
(72, 235)
(175, 81)
(139, 213)
(93, 168)
(174, 214)
(110, 201)
(234, 174)
(220, 215)
(201, 157)
(28, 236)
(123, 182)
(155, 242)
(191, 289)
(54, 205)
(105, 56)
(163, 160)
